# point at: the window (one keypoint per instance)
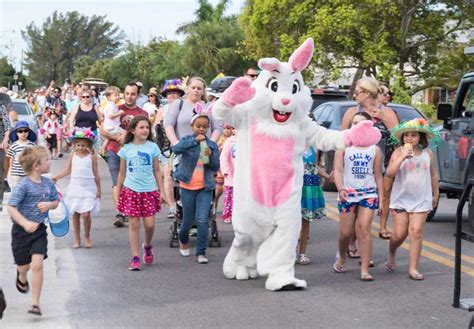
(21, 108)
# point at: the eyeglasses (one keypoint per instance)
(387, 94)
(56, 91)
(252, 75)
(21, 131)
(151, 96)
(357, 92)
(85, 97)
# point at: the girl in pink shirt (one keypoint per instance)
(227, 158)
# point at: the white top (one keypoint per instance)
(412, 189)
(150, 108)
(111, 124)
(358, 179)
(50, 126)
(82, 167)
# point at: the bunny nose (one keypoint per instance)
(285, 101)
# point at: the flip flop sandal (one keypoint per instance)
(390, 267)
(371, 263)
(416, 276)
(352, 253)
(385, 235)
(20, 286)
(338, 268)
(35, 309)
(366, 278)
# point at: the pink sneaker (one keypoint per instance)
(148, 255)
(135, 264)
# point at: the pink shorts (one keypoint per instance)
(138, 204)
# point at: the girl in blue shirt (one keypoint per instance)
(138, 180)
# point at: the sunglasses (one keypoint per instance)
(85, 97)
(252, 75)
(21, 131)
(151, 96)
(357, 92)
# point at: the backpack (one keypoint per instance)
(161, 139)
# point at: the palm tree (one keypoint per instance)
(205, 13)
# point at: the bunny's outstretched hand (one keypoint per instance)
(239, 92)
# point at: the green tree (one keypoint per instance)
(56, 46)
(205, 13)
(6, 72)
(377, 37)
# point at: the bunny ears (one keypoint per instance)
(200, 111)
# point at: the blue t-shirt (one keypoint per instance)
(27, 194)
(139, 175)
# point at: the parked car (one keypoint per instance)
(24, 112)
(330, 115)
(99, 84)
(323, 95)
(220, 84)
(455, 153)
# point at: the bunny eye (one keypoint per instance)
(296, 87)
(273, 85)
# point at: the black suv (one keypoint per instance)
(322, 95)
(455, 153)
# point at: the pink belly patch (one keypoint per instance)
(271, 168)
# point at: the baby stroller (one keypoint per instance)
(214, 238)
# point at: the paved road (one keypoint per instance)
(93, 288)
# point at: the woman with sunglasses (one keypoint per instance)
(85, 114)
(366, 94)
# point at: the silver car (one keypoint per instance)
(25, 113)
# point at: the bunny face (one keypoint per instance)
(282, 99)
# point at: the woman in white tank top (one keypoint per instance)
(415, 190)
(359, 181)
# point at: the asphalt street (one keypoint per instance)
(92, 288)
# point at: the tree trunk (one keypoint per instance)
(359, 73)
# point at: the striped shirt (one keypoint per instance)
(14, 152)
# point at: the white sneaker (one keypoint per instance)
(201, 259)
(184, 252)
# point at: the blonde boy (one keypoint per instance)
(111, 114)
(28, 207)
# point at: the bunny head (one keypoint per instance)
(281, 100)
(363, 134)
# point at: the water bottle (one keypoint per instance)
(203, 146)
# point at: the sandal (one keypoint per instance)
(366, 277)
(20, 286)
(390, 267)
(416, 276)
(303, 259)
(385, 235)
(352, 253)
(371, 263)
(35, 309)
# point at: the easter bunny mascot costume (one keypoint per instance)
(271, 117)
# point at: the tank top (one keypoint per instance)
(386, 148)
(87, 119)
(412, 189)
(82, 167)
(358, 178)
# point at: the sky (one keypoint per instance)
(140, 20)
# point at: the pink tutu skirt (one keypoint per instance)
(138, 204)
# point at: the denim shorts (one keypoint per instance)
(345, 207)
(113, 161)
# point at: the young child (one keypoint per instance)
(111, 114)
(51, 127)
(227, 158)
(312, 199)
(195, 173)
(138, 179)
(83, 193)
(415, 190)
(28, 207)
(22, 137)
(220, 179)
(359, 181)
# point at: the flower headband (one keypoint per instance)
(83, 133)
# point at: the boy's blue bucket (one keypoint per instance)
(59, 220)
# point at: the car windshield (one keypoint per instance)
(21, 108)
(406, 114)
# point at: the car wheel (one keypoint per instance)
(326, 162)
(432, 212)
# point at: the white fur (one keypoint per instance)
(266, 237)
